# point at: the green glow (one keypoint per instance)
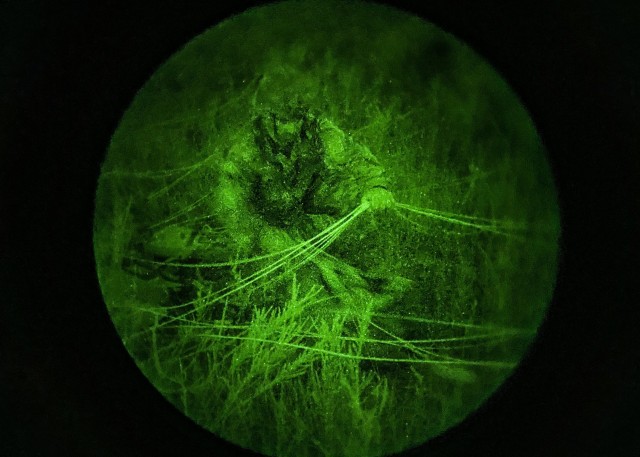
(326, 229)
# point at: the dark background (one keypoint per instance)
(69, 70)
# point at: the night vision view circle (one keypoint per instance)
(326, 228)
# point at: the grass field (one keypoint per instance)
(367, 332)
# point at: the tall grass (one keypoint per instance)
(293, 353)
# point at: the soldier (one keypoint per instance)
(293, 178)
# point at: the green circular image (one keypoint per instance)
(326, 229)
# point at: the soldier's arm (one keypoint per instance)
(360, 176)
